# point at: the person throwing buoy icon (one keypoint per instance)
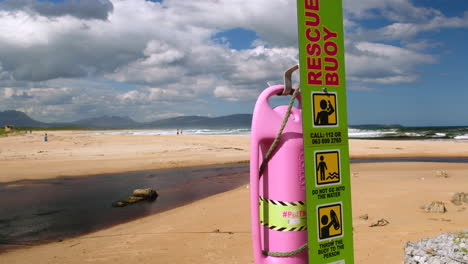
(327, 223)
(327, 110)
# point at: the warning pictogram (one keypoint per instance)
(327, 166)
(330, 222)
(324, 109)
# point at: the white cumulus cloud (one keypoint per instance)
(146, 59)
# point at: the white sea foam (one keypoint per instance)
(462, 137)
(134, 132)
(220, 132)
(362, 133)
(413, 134)
(225, 132)
(352, 133)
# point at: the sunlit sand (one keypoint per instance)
(217, 229)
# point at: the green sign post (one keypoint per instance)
(325, 129)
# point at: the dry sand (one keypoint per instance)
(80, 153)
(217, 229)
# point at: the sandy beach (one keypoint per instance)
(217, 229)
(81, 153)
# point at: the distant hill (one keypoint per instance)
(230, 121)
(108, 122)
(20, 119)
(176, 122)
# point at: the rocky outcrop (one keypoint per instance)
(459, 198)
(450, 248)
(138, 196)
(435, 207)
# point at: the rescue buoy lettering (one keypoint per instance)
(283, 216)
(321, 47)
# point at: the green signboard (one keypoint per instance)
(325, 129)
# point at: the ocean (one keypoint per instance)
(410, 133)
(360, 132)
(215, 132)
(363, 132)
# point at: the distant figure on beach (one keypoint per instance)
(322, 116)
(177, 131)
(45, 137)
(322, 167)
(181, 131)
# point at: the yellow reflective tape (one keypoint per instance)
(283, 216)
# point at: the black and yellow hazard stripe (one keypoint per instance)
(271, 215)
(282, 203)
(284, 229)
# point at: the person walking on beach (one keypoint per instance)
(322, 167)
(45, 137)
(327, 110)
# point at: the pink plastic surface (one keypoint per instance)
(282, 179)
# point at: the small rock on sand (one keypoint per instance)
(459, 198)
(364, 217)
(442, 174)
(435, 207)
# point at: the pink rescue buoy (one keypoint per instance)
(277, 195)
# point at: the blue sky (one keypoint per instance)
(438, 95)
(65, 60)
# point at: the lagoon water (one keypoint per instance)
(39, 211)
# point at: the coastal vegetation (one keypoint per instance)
(61, 128)
(4, 132)
(23, 130)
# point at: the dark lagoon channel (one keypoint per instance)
(40, 211)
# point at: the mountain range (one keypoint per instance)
(20, 119)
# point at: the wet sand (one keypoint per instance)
(217, 229)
